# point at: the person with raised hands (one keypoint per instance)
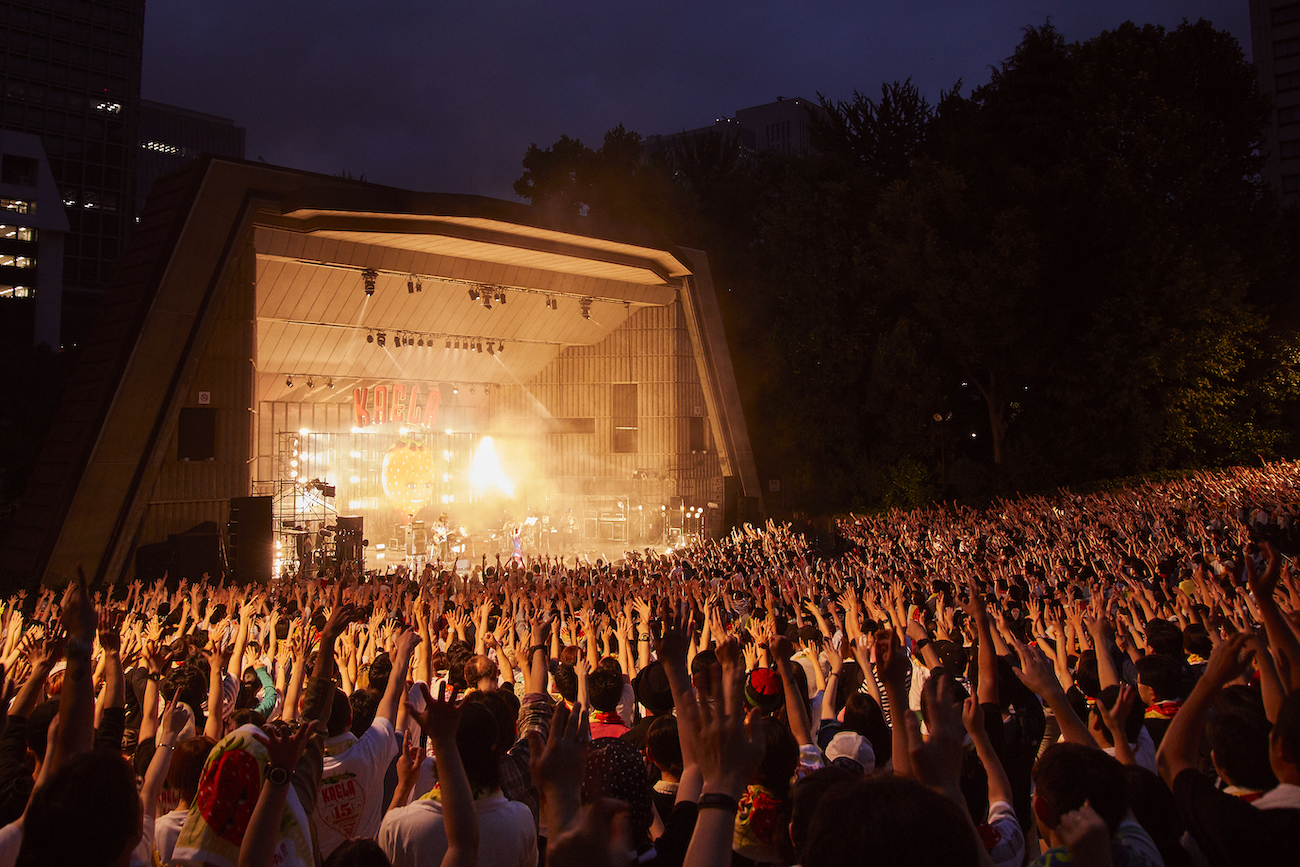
(428, 829)
(1228, 829)
(350, 803)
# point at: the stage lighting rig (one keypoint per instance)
(370, 275)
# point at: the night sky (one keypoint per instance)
(447, 96)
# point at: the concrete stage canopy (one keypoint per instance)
(241, 310)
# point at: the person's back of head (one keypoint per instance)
(805, 797)
(477, 741)
(479, 668)
(364, 706)
(863, 715)
(87, 813)
(502, 715)
(1163, 675)
(604, 689)
(187, 766)
(615, 769)
(1239, 740)
(1086, 676)
(1066, 775)
(358, 853)
(780, 756)
(1156, 811)
(663, 744)
(1196, 640)
(885, 820)
(340, 714)
(1165, 638)
(566, 682)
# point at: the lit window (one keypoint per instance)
(161, 147)
(110, 107)
(16, 261)
(16, 292)
(18, 206)
(17, 233)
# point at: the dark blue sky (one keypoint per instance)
(446, 96)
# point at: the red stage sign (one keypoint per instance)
(396, 402)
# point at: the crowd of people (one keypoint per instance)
(1110, 679)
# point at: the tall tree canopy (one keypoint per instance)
(1071, 272)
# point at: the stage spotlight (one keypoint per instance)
(370, 338)
(370, 275)
(552, 304)
(419, 341)
(455, 389)
(473, 294)
(449, 343)
(486, 297)
(479, 347)
(471, 389)
(585, 305)
(419, 285)
(410, 287)
(311, 383)
(501, 347)
(501, 298)
(382, 338)
(288, 380)
(458, 343)
(491, 349)
(329, 383)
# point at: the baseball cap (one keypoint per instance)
(763, 690)
(851, 747)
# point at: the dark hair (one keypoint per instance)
(1156, 811)
(187, 765)
(1086, 676)
(1164, 638)
(38, 727)
(780, 756)
(501, 713)
(1066, 775)
(87, 813)
(805, 796)
(663, 744)
(364, 704)
(863, 715)
(340, 714)
(894, 821)
(1196, 639)
(358, 853)
(1163, 674)
(477, 741)
(566, 682)
(604, 689)
(1239, 740)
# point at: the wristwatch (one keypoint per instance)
(277, 776)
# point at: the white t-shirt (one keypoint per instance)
(352, 785)
(166, 830)
(1285, 796)
(414, 836)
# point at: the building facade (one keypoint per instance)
(170, 136)
(782, 127)
(1275, 43)
(33, 226)
(71, 75)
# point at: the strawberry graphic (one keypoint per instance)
(228, 793)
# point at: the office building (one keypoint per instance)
(782, 127)
(170, 136)
(1275, 41)
(71, 75)
(32, 230)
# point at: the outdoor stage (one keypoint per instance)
(294, 370)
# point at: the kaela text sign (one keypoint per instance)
(401, 402)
